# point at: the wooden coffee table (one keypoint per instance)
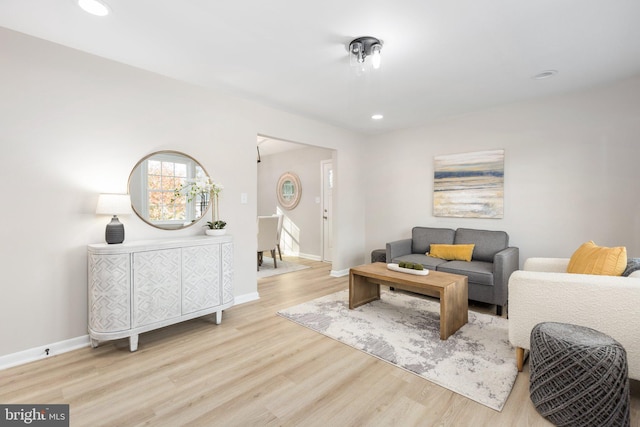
(452, 289)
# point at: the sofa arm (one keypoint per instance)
(398, 248)
(608, 304)
(505, 262)
(552, 265)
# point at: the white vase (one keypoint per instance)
(215, 232)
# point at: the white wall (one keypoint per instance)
(73, 125)
(571, 172)
(307, 215)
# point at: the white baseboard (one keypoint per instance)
(40, 352)
(311, 257)
(43, 352)
(246, 298)
(305, 256)
(339, 273)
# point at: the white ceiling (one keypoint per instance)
(440, 58)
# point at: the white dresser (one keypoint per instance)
(136, 287)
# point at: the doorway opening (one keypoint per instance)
(308, 224)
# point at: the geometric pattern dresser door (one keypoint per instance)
(200, 278)
(109, 293)
(156, 293)
(227, 273)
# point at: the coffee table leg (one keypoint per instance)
(361, 291)
(454, 308)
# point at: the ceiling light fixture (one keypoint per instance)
(545, 74)
(377, 117)
(94, 7)
(362, 47)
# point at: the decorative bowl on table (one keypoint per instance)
(396, 267)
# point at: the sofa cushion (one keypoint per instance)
(488, 243)
(430, 263)
(423, 237)
(451, 252)
(590, 258)
(478, 272)
(633, 265)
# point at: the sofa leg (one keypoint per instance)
(499, 310)
(520, 358)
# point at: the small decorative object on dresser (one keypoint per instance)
(215, 228)
(212, 190)
(114, 204)
(140, 286)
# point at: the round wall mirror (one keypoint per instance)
(163, 190)
(289, 190)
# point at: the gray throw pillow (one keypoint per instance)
(633, 264)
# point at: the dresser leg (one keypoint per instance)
(218, 317)
(94, 343)
(133, 342)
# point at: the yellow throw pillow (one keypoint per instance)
(590, 258)
(453, 252)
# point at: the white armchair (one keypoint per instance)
(544, 292)
(267, 237)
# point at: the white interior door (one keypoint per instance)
(327, 209)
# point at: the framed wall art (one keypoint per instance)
(469, 185)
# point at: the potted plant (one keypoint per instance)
(206, 189)
(215, 228)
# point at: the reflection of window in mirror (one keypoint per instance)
(163, 177)
(288, 190)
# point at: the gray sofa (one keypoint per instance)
(492, 262)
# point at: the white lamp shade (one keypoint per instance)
(114, 204)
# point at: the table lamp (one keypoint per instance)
(114, 204)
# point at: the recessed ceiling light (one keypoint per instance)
(377, 117)
(94, 7)
(545, 74)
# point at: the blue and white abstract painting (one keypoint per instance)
(469, 185)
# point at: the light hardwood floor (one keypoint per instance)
(255, 368)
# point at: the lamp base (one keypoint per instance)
(114, 232)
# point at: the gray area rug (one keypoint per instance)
(267, 270)
(477, 361)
